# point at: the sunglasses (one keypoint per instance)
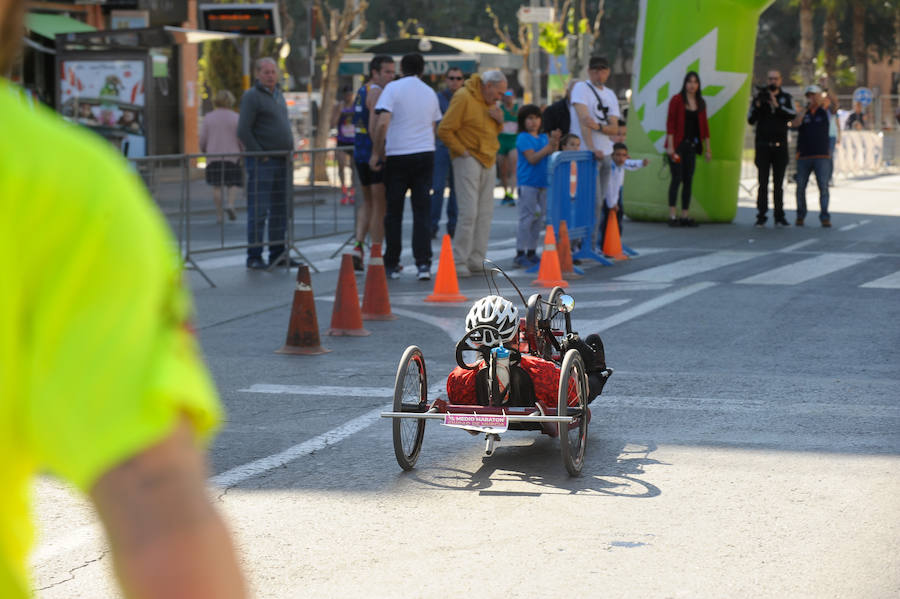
(454, 78)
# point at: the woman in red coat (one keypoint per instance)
(687, 134)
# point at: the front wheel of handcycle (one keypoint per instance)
(410, 395)
(572, 401)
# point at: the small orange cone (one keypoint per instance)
(612, 243)
(376, 304)
(346, 319)
(303, 328)
(550, 274)
(446, 285)
(565, 253)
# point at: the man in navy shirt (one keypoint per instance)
(813, 153)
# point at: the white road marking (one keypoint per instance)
(854, 225)
(726, 404)
(889, 282)
(239, 474)
(318, 390)
(689, 266)
(797, 246)
(804, 270)
(597, 326)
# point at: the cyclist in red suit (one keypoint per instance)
(532, 379)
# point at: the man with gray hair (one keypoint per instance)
(264, 126)
(469, 129)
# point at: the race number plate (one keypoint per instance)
(484, 423)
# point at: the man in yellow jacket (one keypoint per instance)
(469, 129)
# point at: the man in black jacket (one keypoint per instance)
(771, 111)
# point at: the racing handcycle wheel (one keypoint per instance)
(573, 437)
(410, 395)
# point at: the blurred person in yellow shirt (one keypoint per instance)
(101, 380)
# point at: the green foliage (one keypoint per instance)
(844, 74)
(552, 39)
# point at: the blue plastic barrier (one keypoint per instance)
(579, 210)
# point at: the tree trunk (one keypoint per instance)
(860, 57)
(829, 42)
(807, 69)
(329, 98)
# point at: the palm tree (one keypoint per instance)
(807, 47)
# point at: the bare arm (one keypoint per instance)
(533, 157)
(167, 539)
(378, 134)
(587, 124)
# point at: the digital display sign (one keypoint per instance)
(243, 19)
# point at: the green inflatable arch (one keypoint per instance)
(716, 38)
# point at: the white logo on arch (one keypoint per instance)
(652, 105)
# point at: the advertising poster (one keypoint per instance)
(108, 97)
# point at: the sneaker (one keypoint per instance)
(256, 264)
(231, 214)
(782, 222)
(508, 200)
(534, 258)
(798, 222)
(522, 261)
(463, 272)
(826, 223)
(761, 222)
(674, 222)
(434, 232)
(393, 272)
(688, 222)
(423, 272)
(357, 255)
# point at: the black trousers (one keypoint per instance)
(683, 174)
(774, 159)
(408, 172)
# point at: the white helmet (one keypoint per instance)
(496, 312)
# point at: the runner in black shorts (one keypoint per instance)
(367, 176)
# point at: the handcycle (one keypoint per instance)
(541, 334)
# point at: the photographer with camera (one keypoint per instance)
(595, 118)
(771, 111)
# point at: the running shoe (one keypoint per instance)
(358, 257)
(423, 272)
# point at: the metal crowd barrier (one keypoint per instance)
(311, 191)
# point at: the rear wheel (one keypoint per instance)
(573, 437)
(410, 395)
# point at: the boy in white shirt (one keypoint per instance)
(620, 164)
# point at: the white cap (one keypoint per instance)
(812, 89)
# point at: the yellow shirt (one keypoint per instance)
(96, 360)
(467, 126)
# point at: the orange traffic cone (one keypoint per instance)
(612, 243)
(376, 303)
(346, 319)
(550, 275)
(303, 328)
(446, 285)
(565, 253)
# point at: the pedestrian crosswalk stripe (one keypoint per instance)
(891, 281)
(807, 269)
(689, 266)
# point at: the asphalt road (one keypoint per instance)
(746, 446)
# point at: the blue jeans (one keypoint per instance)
(822, 168)
(267, 180)
(832, 142)
(443, 169)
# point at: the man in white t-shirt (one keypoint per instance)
(403, 138)
(594, 119)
